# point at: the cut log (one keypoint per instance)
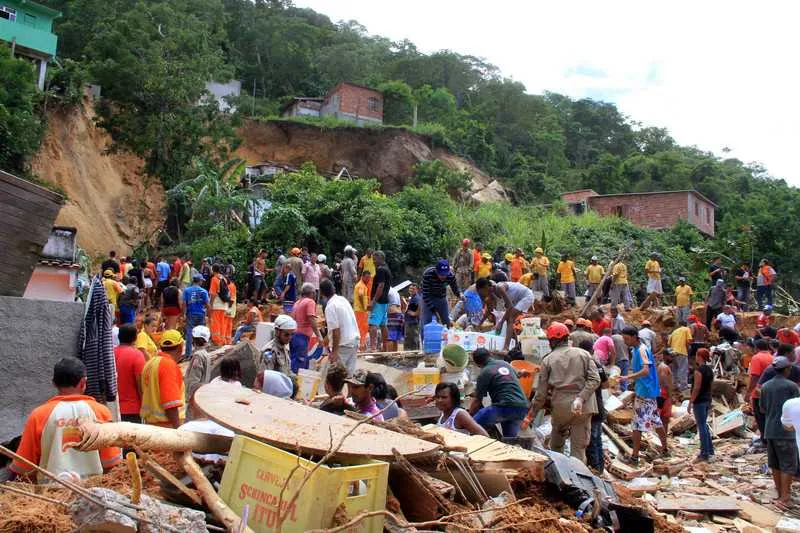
(218, 508)
(96, 436)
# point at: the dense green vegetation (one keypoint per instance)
(423, 222)
(153, 57)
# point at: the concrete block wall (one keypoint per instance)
(34, 335)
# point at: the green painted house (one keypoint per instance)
(28, 28)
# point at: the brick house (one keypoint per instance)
(346, 101)
(656, 210)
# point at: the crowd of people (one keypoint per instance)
(330, 313)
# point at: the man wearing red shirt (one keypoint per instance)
(599, 323)
(176, 267)
(788, 336)
(130, 362)
(758, 364)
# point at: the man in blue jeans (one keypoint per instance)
(197, 304)
(434, 294)
(499, 380)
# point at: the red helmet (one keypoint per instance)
(465, 242)
(557, 330)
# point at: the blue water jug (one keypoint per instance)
(432, 334)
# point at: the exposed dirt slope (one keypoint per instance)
(388, 154)
(111, 201)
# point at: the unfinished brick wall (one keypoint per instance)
(354, 101)
(657, 211)
(577, 196)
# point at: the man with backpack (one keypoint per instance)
(220, 295)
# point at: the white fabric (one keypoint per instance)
(285, 322)
(277, 384)
(339, 315)
(394, 297)
(727, 320)
(209, 427)
(791, 417)
(797, 327)
(648, 337)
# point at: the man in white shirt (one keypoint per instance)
(343, 335)
(727, 318)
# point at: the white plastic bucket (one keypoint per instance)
(308, 381)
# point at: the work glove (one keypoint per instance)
(577, 406)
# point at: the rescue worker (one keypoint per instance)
(570, 377)
(276, 354)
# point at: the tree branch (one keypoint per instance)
(331, 452)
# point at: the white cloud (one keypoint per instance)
(716, 74)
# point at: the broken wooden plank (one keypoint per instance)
(743, 526)
(714, 485)
(149, 464)
(758, 514)
(291, 425)
(729, 422)
(621, 444)
(711, 504)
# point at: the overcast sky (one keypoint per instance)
(716, 74)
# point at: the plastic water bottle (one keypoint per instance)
(432, 333)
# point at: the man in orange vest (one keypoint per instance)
(764, 282)
(53, 427)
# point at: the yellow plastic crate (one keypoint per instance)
(256, 472)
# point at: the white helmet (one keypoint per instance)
(201, 332)
(285, 322)
(321, 258)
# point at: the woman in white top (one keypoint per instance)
(448, 401)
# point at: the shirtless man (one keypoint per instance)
(517, 298)
(665, 382)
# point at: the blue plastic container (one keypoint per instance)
(432, 335)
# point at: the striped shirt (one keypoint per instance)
(96, 348)
(434, 288)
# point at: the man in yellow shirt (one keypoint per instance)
(113, 290)
(619, 286)
(540, 265)
(361, 306)
(526, 279)
(594, 276)
(653, 270)
(683, 300)
(566, 276)
(485, 266)
(679, 341)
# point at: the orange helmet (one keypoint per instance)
(295, 251)
(557, 330)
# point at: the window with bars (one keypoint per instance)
(373, 104)
(8, 13)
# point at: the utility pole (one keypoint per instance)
(253, 102)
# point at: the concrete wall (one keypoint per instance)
(34, 335)
(28, 215)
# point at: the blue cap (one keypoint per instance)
(443, 267)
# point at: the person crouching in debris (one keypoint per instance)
(364, 388)
(52, 427)
(453, 417)
(568, 379)
(645, 406)
(499, 380)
